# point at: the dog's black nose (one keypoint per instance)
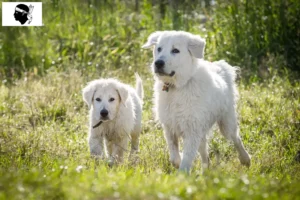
(159, 64)
(104, 113)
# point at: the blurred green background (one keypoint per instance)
(93, 36)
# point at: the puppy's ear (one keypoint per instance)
(123, 94)
(88, 93)
(196, 46)
(152, 39)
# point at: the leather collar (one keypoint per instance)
(167, 86)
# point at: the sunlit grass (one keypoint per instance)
(44, 151)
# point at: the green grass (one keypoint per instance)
(44, 151)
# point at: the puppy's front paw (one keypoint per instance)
(111, 162)
(176, 161)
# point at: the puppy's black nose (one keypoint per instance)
(159, 64)
(104, 113)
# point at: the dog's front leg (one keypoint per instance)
(96, 145)
(135, 143)
(116, 149)
(191, 144)
(203, 150)
(172, 141)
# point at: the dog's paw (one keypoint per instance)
(245, 160)
(176, 162)
(110, 162)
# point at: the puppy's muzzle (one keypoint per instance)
(104, 114)
(159, 68)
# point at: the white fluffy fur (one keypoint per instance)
(123, 123)
(201, 93)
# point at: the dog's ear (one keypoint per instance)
(123, 94)
(152, 39)
(196, 46)
(88, 93)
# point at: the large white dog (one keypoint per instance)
(191, 94)
(115, 117)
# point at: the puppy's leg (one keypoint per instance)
(172, 141)
(96, 144)
(109, 147)
(120, 148)
(203, 150)
(135, 140)
(116, 149)
(133, 156)
(191, 144)
(229, 128)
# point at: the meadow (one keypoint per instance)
(44, 121)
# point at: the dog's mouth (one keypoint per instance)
(163, 73)
(104, 119)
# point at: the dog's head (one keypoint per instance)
(174, 53)
(104, 97)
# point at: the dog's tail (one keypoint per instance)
(139, 86)
(228, 72)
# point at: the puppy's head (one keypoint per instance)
(174, 53)
(104, 97)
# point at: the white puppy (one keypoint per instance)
(191, 94)
(115, 117)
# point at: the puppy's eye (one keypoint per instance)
(159, 49)
(98, 99)
(175, 51)
(111, 99)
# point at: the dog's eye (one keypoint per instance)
(111, 99)
(175, 51)
(159, 49)
(98, 99)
